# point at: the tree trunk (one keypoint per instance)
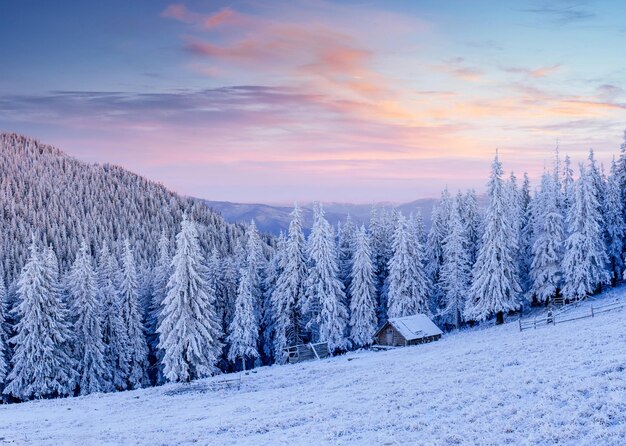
(499, 318)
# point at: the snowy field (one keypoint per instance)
(563, 384)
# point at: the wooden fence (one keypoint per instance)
(306, 352)
(553, 318)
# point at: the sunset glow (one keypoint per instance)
(308, 99)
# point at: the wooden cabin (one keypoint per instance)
(407, 330)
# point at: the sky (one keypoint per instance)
(351, 101)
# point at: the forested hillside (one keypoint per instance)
(62, 201)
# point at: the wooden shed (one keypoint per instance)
(407, 330)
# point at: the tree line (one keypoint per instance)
(102, 323)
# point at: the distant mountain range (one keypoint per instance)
(273, 219)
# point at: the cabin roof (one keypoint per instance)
(413, 327)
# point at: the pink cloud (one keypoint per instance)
(225, 16)
(179, 12)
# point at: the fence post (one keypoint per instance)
(520, 323)
(591, 306)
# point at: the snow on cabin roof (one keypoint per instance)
(415, 327)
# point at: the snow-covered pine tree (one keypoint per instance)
(4, 347)
(243, 332)
(420, 229)
(473, 221)
(598, 187)
(161, 275)
(585, 260)
(525, 250)
(255, 262)
(615, 229)
(273, 269)
(189, 330)
(407, 281)
(545, 272)
(289, 291)
(515, 217)
(93, 375)
(418, 241)
(42, 365)
(495, 288)
(380, 243)
(114, 335)
(438, 232)
(456, 269)
(324, 305)
(345, 252)
(363, 322)
(621, 174)
(136, 347)
(222, 274)
(567, 186)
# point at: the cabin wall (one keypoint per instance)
(396, 338)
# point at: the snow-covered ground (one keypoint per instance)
(563, 384)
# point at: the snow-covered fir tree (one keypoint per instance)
(621, 175)
(223, 276)
(4, 347)
(473, 221)
(160, 277)
(325, 301)
(525, 239)
(345, 252)
(438, 232)
(272, 272)
(189, 331)
(380, 231)
(567, 186)
(114, 335)
(418, 241)
(255, 262)
(546, 272)
(420, 229)
(598, 185)
(363, 321)
(408, 282)
(585, 260)
(88, 345)
(614, 225)
(243, 332)
(597, 180)
(42, 364)
(495, 288)
(136, 348)
(456, 269)
(288, 295)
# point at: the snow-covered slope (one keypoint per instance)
(562, 384)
